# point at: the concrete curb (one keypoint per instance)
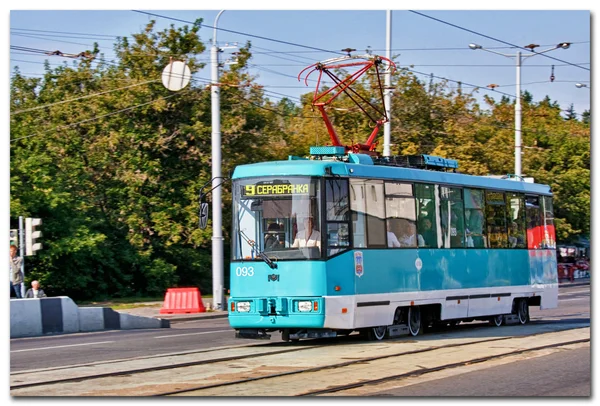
(60, 315)
(582, 283)
(180, 319)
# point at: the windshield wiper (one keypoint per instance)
(272, 264)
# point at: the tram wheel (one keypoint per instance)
(414, 321)
(523, 311)
(377, 333)
(497, 320)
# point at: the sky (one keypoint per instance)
(291, 31)
(284, 42)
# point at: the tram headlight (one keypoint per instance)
(243, 307)
(305, 306)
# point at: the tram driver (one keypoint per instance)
(309, 237)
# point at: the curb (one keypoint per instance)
(192, 318)
(582, 283)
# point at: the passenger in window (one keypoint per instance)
(271, 240)
(391, 237)
(309, 237)
(475, 227)
(515, 239)
(428, 236)
(408, 234)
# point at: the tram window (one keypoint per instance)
(451, 217)
(516, 221)
(336, 194)
(271, 214)
(474, 218)
(338, 215)
(400, 215)
(368, 213)
(534, 222)
(338, 238)
(426, 215)
(549, 238)
(495, 209)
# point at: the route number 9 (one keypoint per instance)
(244, 271)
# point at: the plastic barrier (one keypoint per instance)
(182, 300)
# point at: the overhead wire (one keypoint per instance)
(82, 97)
(101, 116)
(494, 39)
(243, 33)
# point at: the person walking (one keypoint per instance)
(16, 276)
(35, 292)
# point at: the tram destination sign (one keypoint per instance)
(277, 189)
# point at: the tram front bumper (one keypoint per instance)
(276, 313)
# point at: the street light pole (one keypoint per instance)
(217, 238)
(519, 57)
(387, 127)
(518, 118)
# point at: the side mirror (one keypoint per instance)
(203, 215)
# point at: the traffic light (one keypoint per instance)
(31, 235)
(14, 237)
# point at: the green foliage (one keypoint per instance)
(113, 162)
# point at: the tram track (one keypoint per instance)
(371, 359)
(424, 371)
(132, 374)
(151, 369)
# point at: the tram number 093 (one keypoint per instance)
(244, 271)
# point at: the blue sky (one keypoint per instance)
(429, 46)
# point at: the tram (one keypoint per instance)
(347, 240)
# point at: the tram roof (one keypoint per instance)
(351, 170)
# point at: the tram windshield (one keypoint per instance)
(279, 217)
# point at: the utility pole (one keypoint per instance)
(22, 252)
(519, 57)
(387, 95)
(518, 111)
(217, 238)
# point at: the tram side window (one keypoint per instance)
(368, 213)
(534, 222)
(495, 208)
(451, 217)
(400, 215)
(516, 221)
(475, 218)
(426, 215)
(549, 238)
(338, 215)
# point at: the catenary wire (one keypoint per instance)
(494, 39)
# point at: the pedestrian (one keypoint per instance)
(16, 276)
(35, 292)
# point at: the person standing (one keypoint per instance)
(16, 276)
(35, 292)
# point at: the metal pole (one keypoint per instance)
(518, 119)
(217, 238)
(22, 252)
(387, 96)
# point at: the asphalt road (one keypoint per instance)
(83, 348)
(566, 373)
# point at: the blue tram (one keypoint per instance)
(349, 242)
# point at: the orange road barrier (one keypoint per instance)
(182, 300)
